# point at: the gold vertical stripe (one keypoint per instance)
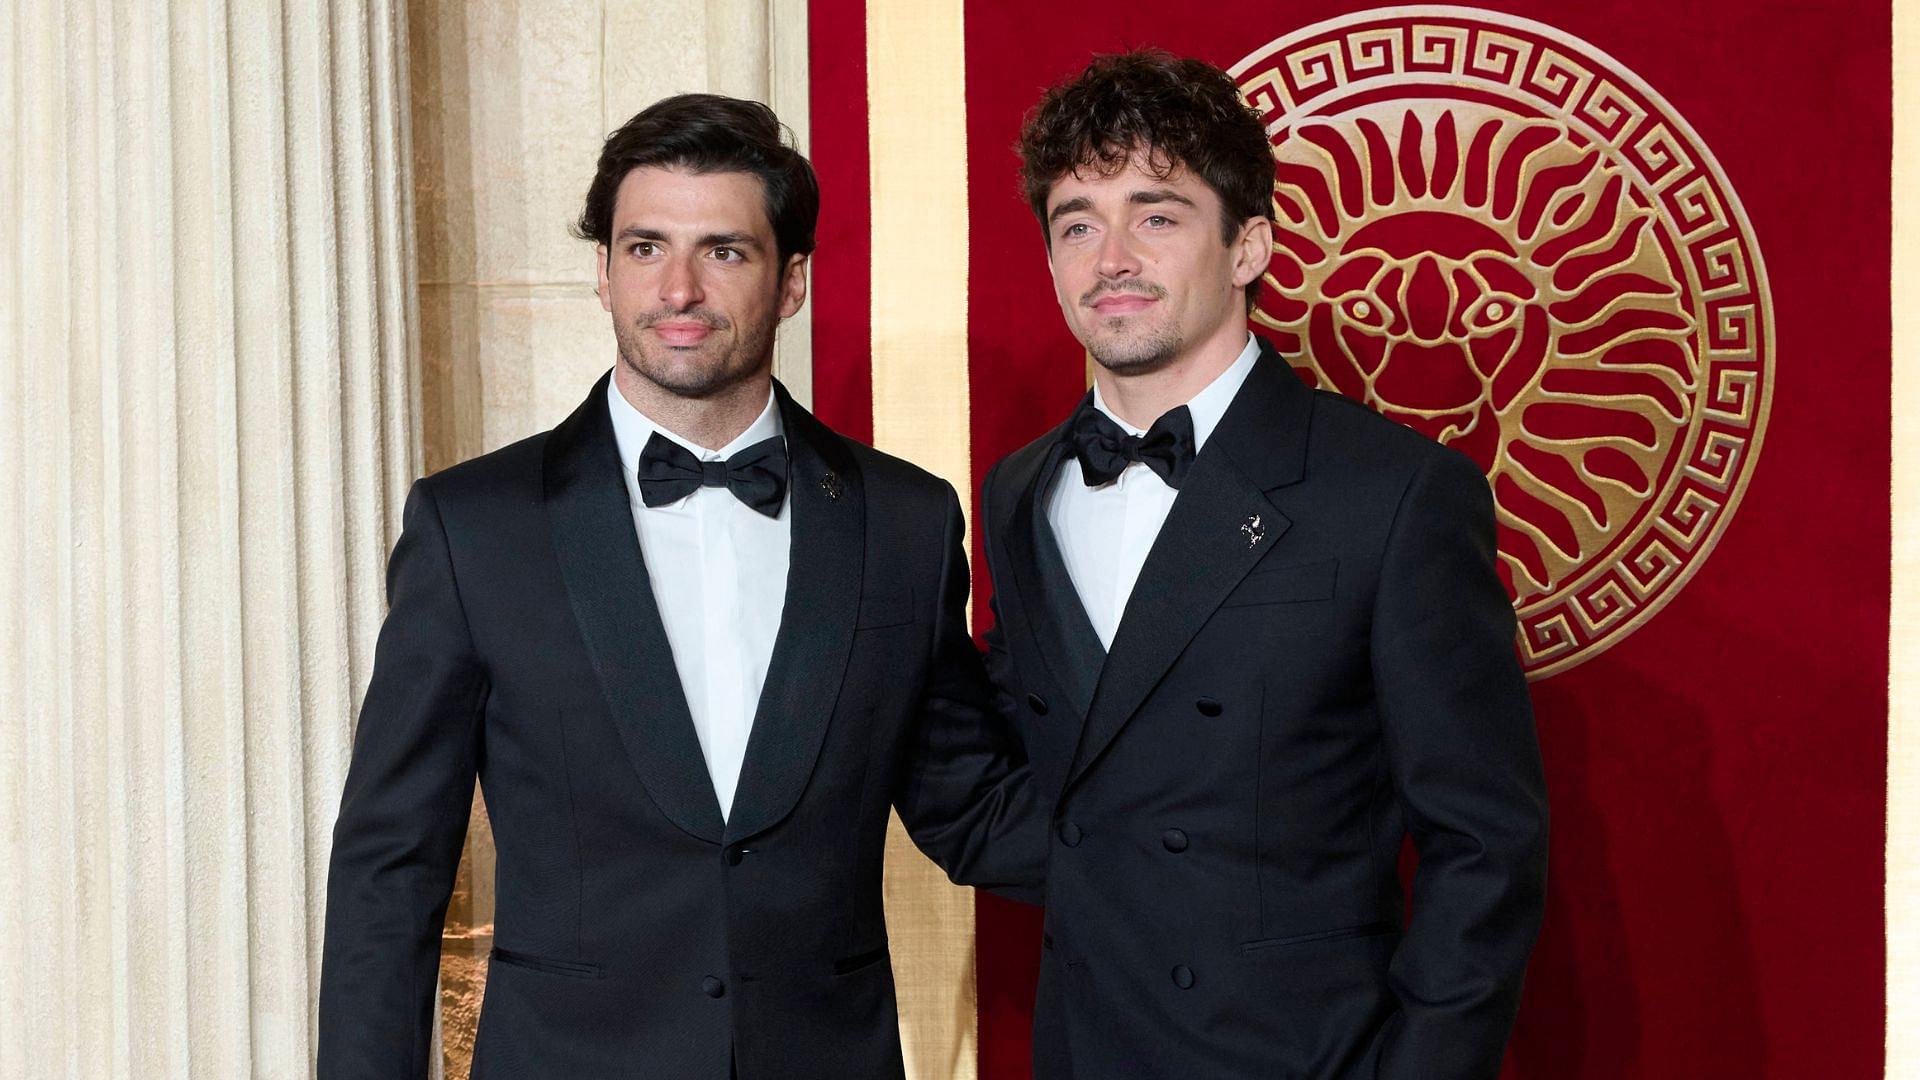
(917, 160)
(1903, 647)
(917, 146)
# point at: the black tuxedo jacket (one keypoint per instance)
(1317, 660)
(636, 933)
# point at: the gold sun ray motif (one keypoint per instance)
(1493, 233)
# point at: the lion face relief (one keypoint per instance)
(1430, 309)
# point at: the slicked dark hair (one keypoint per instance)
(709, 133)
(1180, 113)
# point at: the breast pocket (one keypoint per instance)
(1292, 583)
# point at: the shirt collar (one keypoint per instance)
(1207, 406)
(632, 428)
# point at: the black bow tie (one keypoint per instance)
(756, 475)
(1105, 449)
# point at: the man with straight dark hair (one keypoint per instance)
(694, 646)
(1259, 639)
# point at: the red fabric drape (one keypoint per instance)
(1717, 775)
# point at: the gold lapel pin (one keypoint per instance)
(1254, 530)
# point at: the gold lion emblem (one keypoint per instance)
(1493, 233)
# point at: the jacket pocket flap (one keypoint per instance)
(850, 964)
(1345, 933)
(1287, 584)
(540, 963)
(885, 609)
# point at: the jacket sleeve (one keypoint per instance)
(1460, 744)
(403, 816)
(968, 798)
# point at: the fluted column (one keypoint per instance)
(206, 427)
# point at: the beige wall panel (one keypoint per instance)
(788, 92)
(540, 352)
(499, 363)
(451, 417)
(737, 49)
(507, 124)
(650, 51)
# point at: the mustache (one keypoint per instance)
(713, 319)
(1139, 288)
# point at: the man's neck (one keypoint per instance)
(1141, 398)
(712, 421)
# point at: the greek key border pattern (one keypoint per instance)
(1299, 75)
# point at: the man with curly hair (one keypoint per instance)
(1258, 640)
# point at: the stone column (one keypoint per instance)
(206, 427)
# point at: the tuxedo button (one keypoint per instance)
(713, 987)
(1038, 704)
(1069, 834)
(1183, 977)
(735, 855)
(1175, 840)
(1207, 706)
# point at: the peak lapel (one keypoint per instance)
(1221, 524)
(1068, 644)
(612, 598)
(828, 504)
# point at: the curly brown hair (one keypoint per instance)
(1181, 112)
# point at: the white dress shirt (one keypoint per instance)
(719, 574)
(1105, 532)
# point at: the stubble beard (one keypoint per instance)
(748, 355)
(1136, 353)
(1124, 350)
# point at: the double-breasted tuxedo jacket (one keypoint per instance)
(1316, 660)
(637, 933)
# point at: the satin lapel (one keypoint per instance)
(612, 598)
(1221, 524)
(1051, 608)
(810, 651)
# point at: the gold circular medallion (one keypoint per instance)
(1495, 233)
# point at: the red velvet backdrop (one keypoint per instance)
(1717, 777)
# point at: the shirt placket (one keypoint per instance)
(720, 623)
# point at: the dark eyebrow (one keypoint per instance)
(1158, 195)
(729, 240)
(1149, 197)
(1071, 206)
(637, 232)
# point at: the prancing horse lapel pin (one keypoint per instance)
(1254, 530)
